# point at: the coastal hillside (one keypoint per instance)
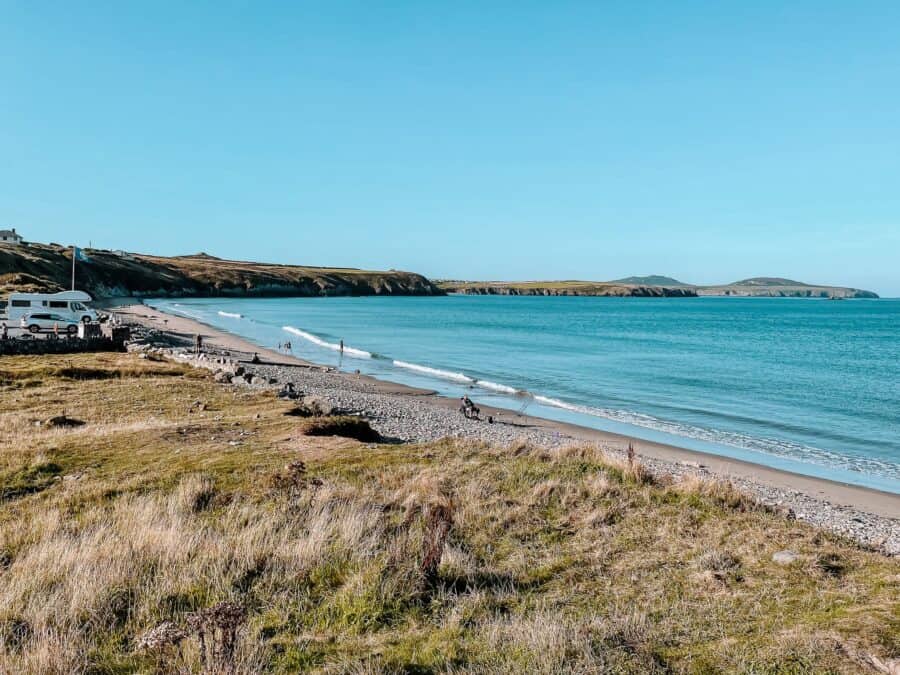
(651, 280)
(656, 286)
(592, 288)
(166, 523)
(47, 268)
(782, 288)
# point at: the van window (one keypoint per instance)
(21, 303)
(59, 304)
(78, 307)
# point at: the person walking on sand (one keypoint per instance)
(198, 344)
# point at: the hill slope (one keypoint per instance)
(47, 268)
(652, 280)
(118, 536)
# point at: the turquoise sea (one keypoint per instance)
(811, 386)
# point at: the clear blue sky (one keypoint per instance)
(710, 141)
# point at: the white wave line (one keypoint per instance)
(502, 388)
(348, 351)
(231, 315)
(435, 372)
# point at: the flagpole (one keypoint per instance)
(74, 249)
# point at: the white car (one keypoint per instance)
(47, 322)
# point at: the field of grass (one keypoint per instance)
(191, 527)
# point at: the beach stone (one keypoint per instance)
(316, 405)
(785, 557)
(222, 376)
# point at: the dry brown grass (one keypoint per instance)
(554, 561)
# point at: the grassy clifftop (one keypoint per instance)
(182, 506)
(592, 288)
(656, 286)
(39, 267)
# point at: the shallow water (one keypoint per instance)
(806, 385)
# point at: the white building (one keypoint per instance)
(10, 237)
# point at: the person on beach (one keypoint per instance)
(198, 343)
(255, 358)
(5, 334)
(469, 409)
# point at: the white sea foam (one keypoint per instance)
(183, 312)
(231, 315)
(435, 372)
(348, 351)
(502, 388)
(771, 446)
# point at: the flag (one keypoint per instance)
(80, 255)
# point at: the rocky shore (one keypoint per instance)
(401, 414)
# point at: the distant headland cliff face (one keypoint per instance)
(611, 289)
(105, 274)
(656, 286)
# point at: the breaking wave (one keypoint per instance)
(435, 372)
(231, 315)
(348, 351)
(502, 388)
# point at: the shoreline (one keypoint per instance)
(868, 515)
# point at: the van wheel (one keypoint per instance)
(85, 319)
(34, 328)
(72, 329)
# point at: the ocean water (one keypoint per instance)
(811, 386)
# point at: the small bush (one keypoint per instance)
(718, 561)
(345, 426)
(311, 406)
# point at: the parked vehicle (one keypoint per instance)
(70, 305)
(47, 322)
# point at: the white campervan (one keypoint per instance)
(70, 305)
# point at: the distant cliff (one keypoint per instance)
(566, 288)
(656, 286)
(782, 288)
(47, 268)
